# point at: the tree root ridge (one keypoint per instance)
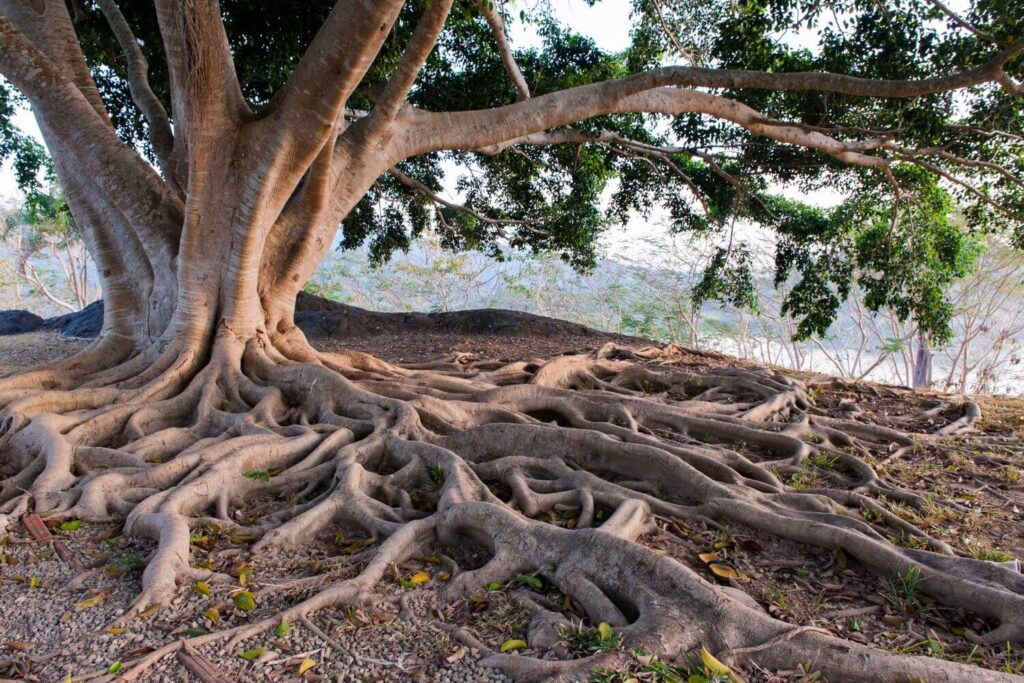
(626, 439)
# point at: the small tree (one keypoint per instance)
(42, 233)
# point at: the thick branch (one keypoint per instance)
(138, 84)
(204, 84)
(416, 52)
(131, 184)
(310, 104)
(475, 129)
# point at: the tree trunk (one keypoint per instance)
(922, 371)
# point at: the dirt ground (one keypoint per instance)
(57, 614)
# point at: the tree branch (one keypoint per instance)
(204, 84)
(963, 23)
(508, 60)
(311, 102)
(129, 182)
(416, 52)
(138, 85)
(437, 199)
(674, 101)
(481, 128)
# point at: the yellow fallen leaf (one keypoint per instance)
(724, 571)
(444, 576)
(512, 645)
(432, 559)
(305, 665)
(243, 576)
(151, 610)
(418, 578)
(203, 588)
(89, 603)
(116, 631)
(605, 630)
(841, 561)
(713, 665)
(709, 557)
(213, 614)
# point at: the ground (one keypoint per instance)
(58, 616)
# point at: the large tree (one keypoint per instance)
(210, 151)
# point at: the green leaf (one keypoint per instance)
(73, 525)
(114, 668)
(259, 475)
(495, 586)
(193, 632)
(203, 588)
(252, 654)
(283, 629)
(132, 562)
(605, 629)
(244, 601)
(531, 581)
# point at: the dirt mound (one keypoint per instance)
(321, 318)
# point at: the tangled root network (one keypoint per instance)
(631, 440)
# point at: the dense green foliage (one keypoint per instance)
(903, 239)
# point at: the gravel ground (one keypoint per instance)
(58, 620)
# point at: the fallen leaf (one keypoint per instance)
(252, 654)
(512, 645)
(114, 668)
(89, 603)
(531, 581)
(116, 630)
(605, 629)
(283, 629)
(841, 560)
(151, 610)
(494, 586)
(213, 614)
(244, 601)
(203, 588)
(724, 571)
(243, 576)
(73, 525)
(709, 557)
(19, 645)
(456, 656)
(305, 665)
(713, 665)
(419, 578)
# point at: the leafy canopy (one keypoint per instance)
(903, 238)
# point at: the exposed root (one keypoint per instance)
(622, 437)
